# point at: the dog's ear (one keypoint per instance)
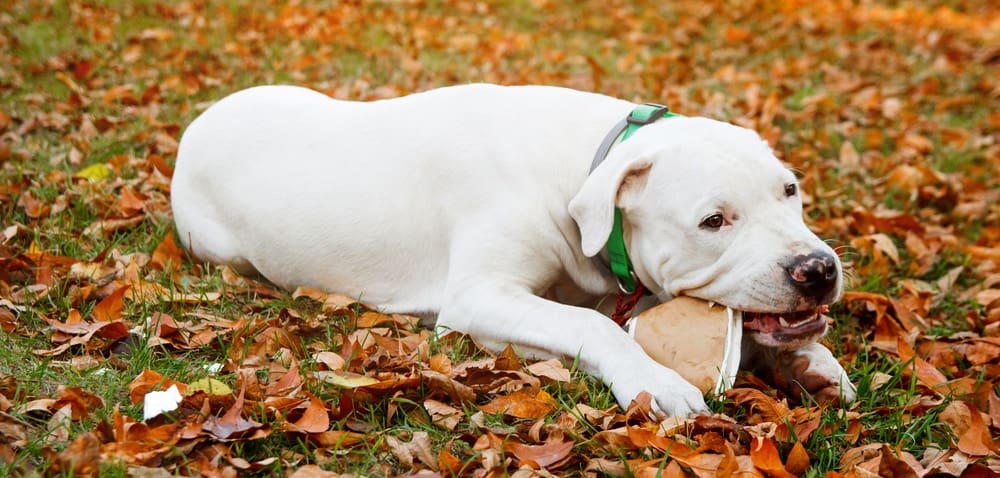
(615, 182)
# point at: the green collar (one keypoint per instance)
(641, 116)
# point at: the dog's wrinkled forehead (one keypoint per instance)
(717, 155)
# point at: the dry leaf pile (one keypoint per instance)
(890, 111)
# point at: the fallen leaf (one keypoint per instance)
(110, 308)
(208, 385)
(313, 471)
(543, 456)
(232, 425)
(797, 461)
(313, 420)
(521, 404)
(764, 454)
(94, 172)
(81, 458)
(167, 256)
(337, 439)
(442, 414)
(552, 369)
(344, 379)
(967, 423)
(419, 447)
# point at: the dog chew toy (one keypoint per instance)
(698, 340)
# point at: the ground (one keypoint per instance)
(889, 112)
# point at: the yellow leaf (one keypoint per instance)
(210, 386)
(94, 172)
(345, 379)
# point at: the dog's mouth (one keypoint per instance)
(786, 327)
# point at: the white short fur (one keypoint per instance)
(472, 203)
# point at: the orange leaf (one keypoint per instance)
(926, 373)
(109, 309)
(167, 256)
(764, 454)
(81, 402)
(543, 455)
(288, 383)
(337, 439)
(994, 404)
(770, 409)
(449, 465)
(521, 404)
(967, 423)
(798, 459)
(736, 34)
(644, 438)
(314, 420)
(130, 203)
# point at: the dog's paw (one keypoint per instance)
(672, 395)
(814, 371)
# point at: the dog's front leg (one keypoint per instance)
(811, 371)
(496, 314)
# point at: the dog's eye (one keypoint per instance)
(714, 221)
(791, 189)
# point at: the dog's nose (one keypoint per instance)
(814, 275)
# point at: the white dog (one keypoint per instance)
(476, 204)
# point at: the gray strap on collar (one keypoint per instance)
(609, 141)
(641, 116)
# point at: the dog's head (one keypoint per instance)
(710, 212)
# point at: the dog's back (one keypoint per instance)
(363, 198)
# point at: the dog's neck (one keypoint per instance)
(615, 253)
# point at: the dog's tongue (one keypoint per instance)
(768, 323)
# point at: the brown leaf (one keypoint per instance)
(926, 373)
(994, 404)
(901, 466)
(167, 256)
(764, 453)
(798, 459)
(332, 303)
(288, 384)
(645, 438)
(130, 203)
(161, 165)
(442, 414)
(449, 465)
(81, 402)
(109, 226)
(313, 420)
(110, 308)
(441, 383)
(59, 423)
(337, 439)
(81, 458)
(232, 425)
(521, 404)
(419, 447)
(967, 423)
(541, 455)
(552, 369)
(769, 409)
(5, 120)
(735, 34)
(313, 471)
